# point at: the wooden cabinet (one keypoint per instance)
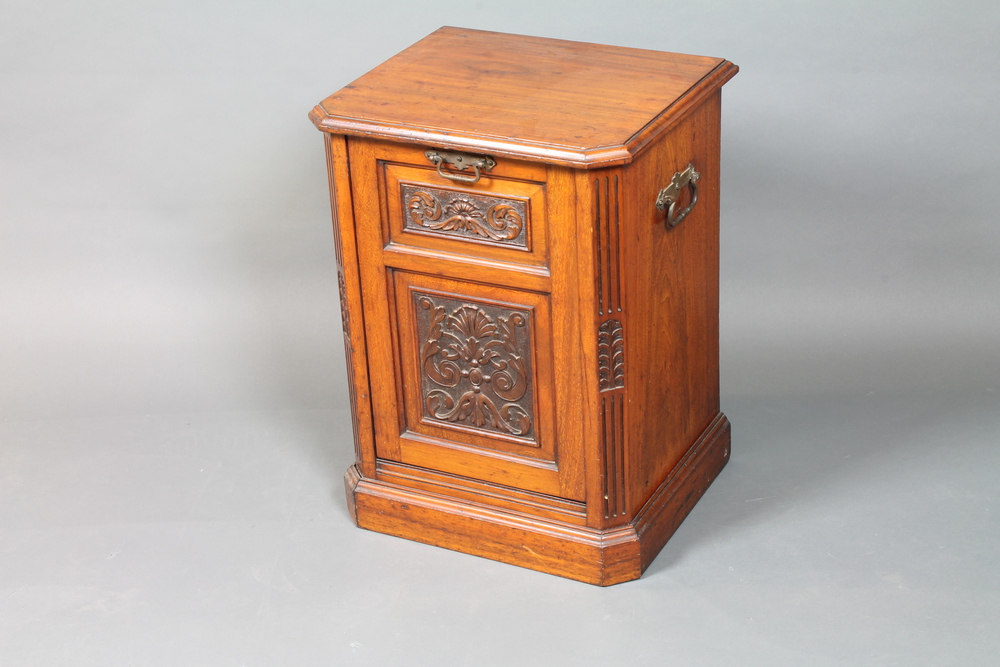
(527, 241)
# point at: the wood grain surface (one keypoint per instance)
(533, 354)
(556, 101)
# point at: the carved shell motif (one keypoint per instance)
(475, 362)
(466, 215)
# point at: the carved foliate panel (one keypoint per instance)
(611, 355)
(345, 318)
(465, 215)
(475, 365)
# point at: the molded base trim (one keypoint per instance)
(601, 557)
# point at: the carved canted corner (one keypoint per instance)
(345, 318)
(610, 342)
(475, 365)
(466, 215)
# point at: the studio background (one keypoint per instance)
(173, 406)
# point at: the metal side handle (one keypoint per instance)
(668, 197)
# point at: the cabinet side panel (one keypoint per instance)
(349, 281)
(672, 292)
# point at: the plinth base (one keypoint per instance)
(601, 557)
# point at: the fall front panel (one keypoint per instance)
(496, 218)
(477, 380)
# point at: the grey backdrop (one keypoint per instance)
(172, 405)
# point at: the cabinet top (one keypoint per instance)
(570, 103)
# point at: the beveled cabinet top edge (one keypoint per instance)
(368, 119)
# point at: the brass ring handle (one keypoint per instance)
(460, 161)
(668, 197)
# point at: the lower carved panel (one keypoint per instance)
(475, 365)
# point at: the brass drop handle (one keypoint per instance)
(460, 161)
(668, 197)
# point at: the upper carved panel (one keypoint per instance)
(469, 216)
(475, 365)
